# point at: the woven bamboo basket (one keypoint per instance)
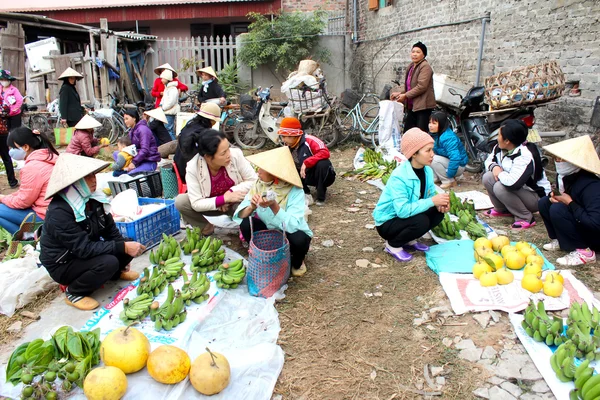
(533, 84)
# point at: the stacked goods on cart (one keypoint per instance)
(303, 88)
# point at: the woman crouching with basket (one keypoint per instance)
(276, 201)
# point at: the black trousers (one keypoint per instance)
(299, 241)
(417, 119)
(562, 225)
(11, 123)
(322, 175)
(83, 277)
(71, 124)
(400, 231)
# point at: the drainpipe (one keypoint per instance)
(355, 33)
(484, 21)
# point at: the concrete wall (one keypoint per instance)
(521, 32)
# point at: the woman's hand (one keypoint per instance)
(443, 209)
(563, 198)
(223, 101)
(496, 171)
(441, 200)
(401, 98)
(134, 249)
(63, 121)
(233, 197)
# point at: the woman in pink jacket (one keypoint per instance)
(10, 111)
(40, 157)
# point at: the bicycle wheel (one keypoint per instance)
(106, 130)
(347, 126)
(248, 136)
(229, 124)
(328, 130)
(371, 116)
(38, 122)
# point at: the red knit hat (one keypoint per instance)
(290, 126)
(414, 140)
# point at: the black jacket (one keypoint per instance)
(69, 103)
(214, 92)
(161, 134)
(63, 239)
(584, 189)
(186, 145)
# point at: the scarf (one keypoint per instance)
(281, 188)
(77, 195)
(205, 85)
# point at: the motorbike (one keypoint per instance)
(478, 128)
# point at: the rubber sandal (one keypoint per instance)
(494, 213)
(522, 225)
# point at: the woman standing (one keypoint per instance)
(417, 91)
(170, 101)
(69, 103)
(158, 88)
(217, 179)
(143, 139)
(276, 201)
(210, 87)
(40, 157)
(409, 205)
(10, 113)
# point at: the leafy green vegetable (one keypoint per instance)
(13, 370)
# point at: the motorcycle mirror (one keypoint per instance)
(454, 93)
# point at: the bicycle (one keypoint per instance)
(361, 119)
(32, 118)
(187, 102)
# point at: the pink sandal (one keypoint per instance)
(523, 225)
(494, 213)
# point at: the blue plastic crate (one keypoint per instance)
(149, 229)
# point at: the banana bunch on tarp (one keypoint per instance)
(192, 240)
(448, 229)
(456, 205)
(153, 283)
(375, 167)
(166, 250)
(210, 255)
(195, 289)
(136, 309)
(170, 313)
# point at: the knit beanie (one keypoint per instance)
(290, 126)
(414, 140)
(515, 131)
(422, 47)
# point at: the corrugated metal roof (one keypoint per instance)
(135, 36)
(44, 5)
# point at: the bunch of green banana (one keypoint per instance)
(167, 249)
(540, 326)
(456, 205)
(154, 283)
(173, 268)
(209, 256)
(371, 156)
(587, 385)
(447, 229)
(230, 275)
(562, 361)
(136, 309)
(582, 315)
(171, 313)
(195, 289)
(192, 237)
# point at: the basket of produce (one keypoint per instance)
(533, 84)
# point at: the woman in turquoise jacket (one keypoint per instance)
(409, 205)
(276, 201)
(450, 156)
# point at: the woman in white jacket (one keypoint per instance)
(170, 101)
(217, 178)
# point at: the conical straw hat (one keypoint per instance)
(578, 151)
(208, 70)
(158, 114)
(279, 163)
(69, 169)
(70, 72)
(161, 68)
(87, 122)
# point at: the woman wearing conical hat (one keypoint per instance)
(572, 212)
(276, 201)
(158, 88)
(210, 87)
(83, 142)
(81, 246)
(69, 103)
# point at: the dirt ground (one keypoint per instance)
(347, 331)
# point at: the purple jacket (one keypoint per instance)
(144, 141)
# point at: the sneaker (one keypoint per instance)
(299, 271)
(208, 230)
(83, 303)
(14, 184)
(400, 255)
(577, 257)
(494, 213)
(520, 225)
(320, 203)
(552, 246)
(414, 245)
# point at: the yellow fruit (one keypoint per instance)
(504, 276)
(480, 252)
(552, 287)
(107, 191)
(499, 242)
(507, 249)
(532, 269)
(532, 283)
(521, 245)
(168, 364)
(104, 141)
(210, 373)
(105, 383)
(535, 259)
(483, 242)
(488, 279)
(480, 267)
(494, 260)
(527, 251)
(125, 348)
(557, 275)
(515, 260)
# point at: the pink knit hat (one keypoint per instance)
(413, 140)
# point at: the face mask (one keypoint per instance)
(17, 154)
(565, 168)
(5, 83)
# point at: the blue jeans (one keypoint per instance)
(170, 125)
(10, 218)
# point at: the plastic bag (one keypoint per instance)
(359, 161)
(390, 115)
(21, 281)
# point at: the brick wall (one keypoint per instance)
(312, 5)
(521, 32)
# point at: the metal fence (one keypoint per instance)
(336, 23)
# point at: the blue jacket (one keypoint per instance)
(400, 197)
(449, 145)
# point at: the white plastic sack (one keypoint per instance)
(21, 281)
(359, 160)
(125, 205)
(390, 115)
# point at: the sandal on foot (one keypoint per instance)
(299, 271)
(522, 225)
(414, 245)
(129, 275)
(208, 230)
(494, 213)
(401, 255)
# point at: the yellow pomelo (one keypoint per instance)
(515, 260)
